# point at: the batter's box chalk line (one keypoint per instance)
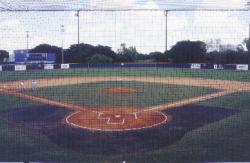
(116, 116)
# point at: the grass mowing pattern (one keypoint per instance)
(226, 140)
(92, 94)
(12, 102)
(234, 101)
(19, 143)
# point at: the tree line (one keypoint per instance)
(182, 52)
(86, 53)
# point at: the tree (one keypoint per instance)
(246, 42)
(213, 45)
(99, 58)
(80, 53)
(3, 55)
(188, 52)
(129, 54)
(240, 48)
(158, 56)
(107, 51)
(229, 56)
(46, 48)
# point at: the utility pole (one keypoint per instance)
(166, 41)
(248, 42)
(78, 26)
(62, 32)
(27, 41)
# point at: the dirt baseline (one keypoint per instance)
(123, 119)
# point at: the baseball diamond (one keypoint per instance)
(116, 81)
(127, 110)
(117, 118)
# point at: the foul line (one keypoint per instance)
(158, 108)
(190, 101)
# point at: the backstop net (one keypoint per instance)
(135, 83)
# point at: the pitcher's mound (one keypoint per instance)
(116, 119)
(119, 90)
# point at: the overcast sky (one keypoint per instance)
(143, 29)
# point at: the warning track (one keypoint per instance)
(123, 119)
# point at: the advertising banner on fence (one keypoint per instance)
(195, 66)
(242, 67)
(64, 66)
(48, 66)
(218, 67)
(20, 67)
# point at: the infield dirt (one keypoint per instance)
(123, 119)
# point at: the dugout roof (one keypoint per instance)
(72, 5)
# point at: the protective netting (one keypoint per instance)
(146, 30)
(120, 4)
(124, 81)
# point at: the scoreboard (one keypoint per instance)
(23, 56)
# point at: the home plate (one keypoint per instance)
(119, 119)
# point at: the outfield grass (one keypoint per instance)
(159, 72)
(93, 95)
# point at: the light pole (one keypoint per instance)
(166, 41)
(78, 26)
(27, 41)
(248, 42)
(62, 32)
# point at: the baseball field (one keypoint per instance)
(125, 114)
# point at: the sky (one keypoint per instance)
(146, 30)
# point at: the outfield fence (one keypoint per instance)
(237, 67)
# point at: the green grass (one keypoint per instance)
(225, 140)
(19, 144)
(22, 144)
(209, 74)
(12, 102)
(93, 95)
(236, 101)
